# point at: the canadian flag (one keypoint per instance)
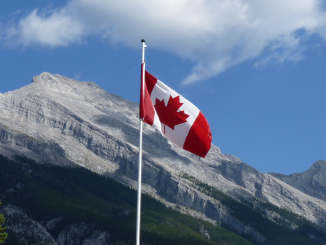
(175, 117)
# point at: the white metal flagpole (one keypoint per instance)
(140, 151)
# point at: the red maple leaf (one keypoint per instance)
(169, 115)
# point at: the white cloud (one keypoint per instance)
(55, 28)
(215, 34)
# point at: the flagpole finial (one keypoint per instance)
(143, 40)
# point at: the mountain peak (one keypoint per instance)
(44, 76)
(311, 181)
(64, 121)
(63, 85)
(319, 164)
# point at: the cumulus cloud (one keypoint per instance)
(215, 35)
(54, 28)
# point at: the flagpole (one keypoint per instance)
(140, 151)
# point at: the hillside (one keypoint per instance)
(71, 123)
(48, 204)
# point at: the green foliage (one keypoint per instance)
(3, 234)
(47, 192)
(76, 194)
(252, 213)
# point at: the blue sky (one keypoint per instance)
(256, 69)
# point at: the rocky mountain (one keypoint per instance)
(29, 231)
(312, 182)
(49, 204)
(63, 121)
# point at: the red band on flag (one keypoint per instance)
(146, 109)
(199, 137)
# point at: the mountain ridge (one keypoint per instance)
(311, 181)
(58, 119)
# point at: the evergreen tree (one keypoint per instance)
(3, 235)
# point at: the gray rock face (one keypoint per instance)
(63, 121)
(82, 234)
(51, 224)
(312, 182)
(27, 230)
